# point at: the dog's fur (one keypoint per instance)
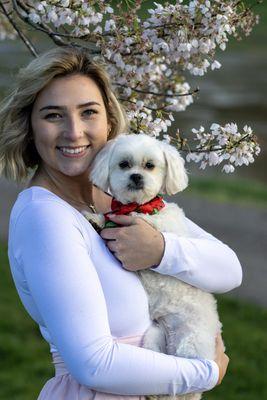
(185, 319)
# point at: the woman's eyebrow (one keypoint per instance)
(90, 103)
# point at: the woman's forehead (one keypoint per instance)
(69, 90)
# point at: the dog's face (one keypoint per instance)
(135, 168)
(137, 171)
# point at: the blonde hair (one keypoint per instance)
(17, 150)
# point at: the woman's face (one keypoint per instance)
(69, 123)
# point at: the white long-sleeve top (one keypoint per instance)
(83, 299)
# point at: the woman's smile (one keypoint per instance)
(73, 152)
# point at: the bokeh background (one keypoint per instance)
(232, 207)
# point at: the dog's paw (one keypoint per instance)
(155, 339)
(96, 220)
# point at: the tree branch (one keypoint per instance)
(56, 37)
(144, 106)
(23, 37)
(42, 27)
(159, 94)
(202, 150)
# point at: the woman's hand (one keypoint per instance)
(135, 243)
(221, 358)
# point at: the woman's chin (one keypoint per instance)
(75, 171)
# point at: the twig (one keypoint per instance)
(43, 27)
(159, 94)
(147, 107)
(221, 148)
(23, 37)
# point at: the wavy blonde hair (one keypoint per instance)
(18, 154)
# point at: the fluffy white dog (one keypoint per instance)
(135, 169)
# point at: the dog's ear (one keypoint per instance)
(176, 175)
(99, 174)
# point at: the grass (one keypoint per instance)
(240, 191)
(24, 356)
(245, 339)
(25, 361)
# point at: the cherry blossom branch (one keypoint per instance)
(159, 94)
(43, 28)
(233, 148)
(153, 54)
(162, 108)
(210, 148)
(23, 37)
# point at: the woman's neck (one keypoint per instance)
(77, 191)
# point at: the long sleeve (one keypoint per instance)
(200, 260)
(48, 242)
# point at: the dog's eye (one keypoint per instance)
(149, 165)
(124, 164)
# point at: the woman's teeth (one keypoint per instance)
(72, 151)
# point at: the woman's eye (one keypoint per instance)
(89, 112)
(52, 116)
(124, 164)
(149, 165)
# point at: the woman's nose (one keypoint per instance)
(73, 128)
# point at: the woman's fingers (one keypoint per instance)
(221, 358)
(136, 244)
(125, 220)
(219, 343)
(112, 245)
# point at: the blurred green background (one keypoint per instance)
(235, 93)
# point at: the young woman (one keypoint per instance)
(89, 303)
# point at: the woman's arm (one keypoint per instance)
(200, 260)
(65, 287)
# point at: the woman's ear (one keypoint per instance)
(99, 174)
(176, 176)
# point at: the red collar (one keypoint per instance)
(151, 207)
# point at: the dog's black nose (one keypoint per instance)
(136, 178)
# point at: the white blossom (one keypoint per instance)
(215, 65)
(228, 168)
(34, 17)
(237, 148)
(147, 60)
(65, 3)
(110, 25)
(109, 10)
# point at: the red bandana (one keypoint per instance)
(151, 207)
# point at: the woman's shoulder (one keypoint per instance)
(37, 197)
(42, 216)
(35, 203)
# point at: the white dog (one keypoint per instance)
(135, 169)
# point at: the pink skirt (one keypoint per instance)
(64, 387)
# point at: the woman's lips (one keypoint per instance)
(73, 152)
